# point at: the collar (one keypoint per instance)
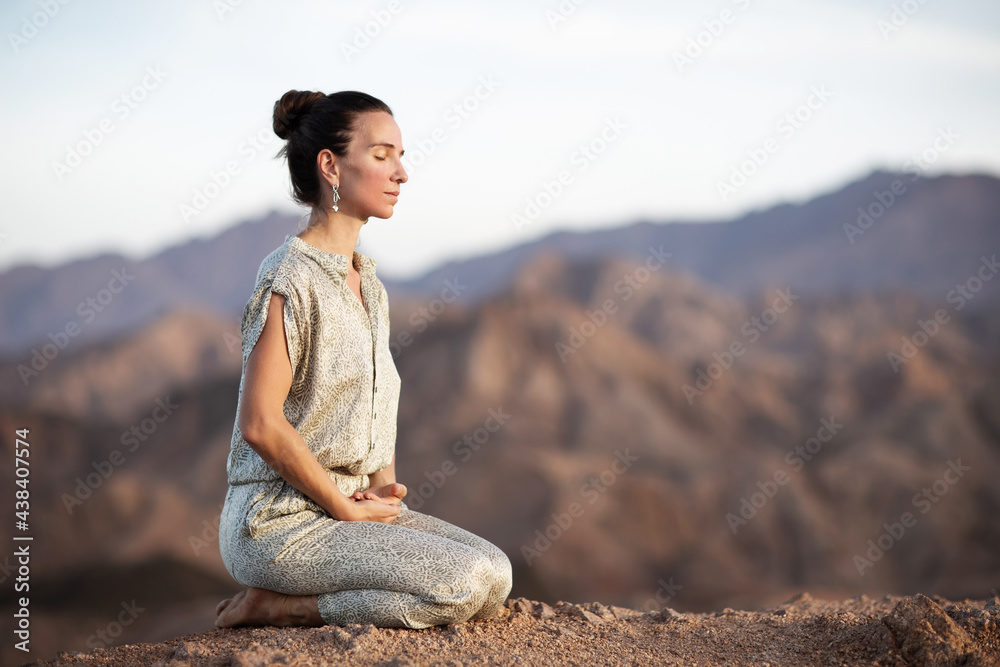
(339, 262)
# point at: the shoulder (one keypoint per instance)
(286, 271)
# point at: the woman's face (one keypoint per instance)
(372, 167)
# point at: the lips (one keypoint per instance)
(394, 194)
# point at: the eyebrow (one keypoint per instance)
(371, 146)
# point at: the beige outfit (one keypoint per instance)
(414, 572)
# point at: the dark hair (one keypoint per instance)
(311, 121)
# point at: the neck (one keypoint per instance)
(336, 234)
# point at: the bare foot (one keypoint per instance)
(260, 606)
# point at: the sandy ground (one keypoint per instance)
(912, 630)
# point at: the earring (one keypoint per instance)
(336, 197)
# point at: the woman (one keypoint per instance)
(314, 521)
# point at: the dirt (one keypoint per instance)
(914, 630)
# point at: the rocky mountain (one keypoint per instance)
(884, 231)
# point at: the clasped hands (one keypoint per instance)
(376, 503)
(390, 494)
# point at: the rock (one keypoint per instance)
(926, 635)
(542, 610)
(519, 605)
(600, 610)
(188, 650)
(668, 614)
(587, 616)
(339, 636)
(624, 612)
(565, 608)
(258, 656)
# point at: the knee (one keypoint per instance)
(474, 576)
(464, 588)
(503, 575)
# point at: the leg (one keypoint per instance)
(502, 574)
(260, 606)
(370, 572)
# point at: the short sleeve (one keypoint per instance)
(255, 316)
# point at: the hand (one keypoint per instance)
(389, 494)
(370, 510)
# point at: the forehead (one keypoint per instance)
(376, 127)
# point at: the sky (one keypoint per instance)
(131, 127)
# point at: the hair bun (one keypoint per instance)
(289, 110)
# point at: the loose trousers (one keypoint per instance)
(415, 572)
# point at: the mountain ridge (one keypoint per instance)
(802, 244)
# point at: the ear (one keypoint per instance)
(326, 163)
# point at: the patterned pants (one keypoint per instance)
(415, 572)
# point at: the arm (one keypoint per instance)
(262, 421)
(386, 475)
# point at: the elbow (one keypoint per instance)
(255, 429)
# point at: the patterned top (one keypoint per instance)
(345, 387)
